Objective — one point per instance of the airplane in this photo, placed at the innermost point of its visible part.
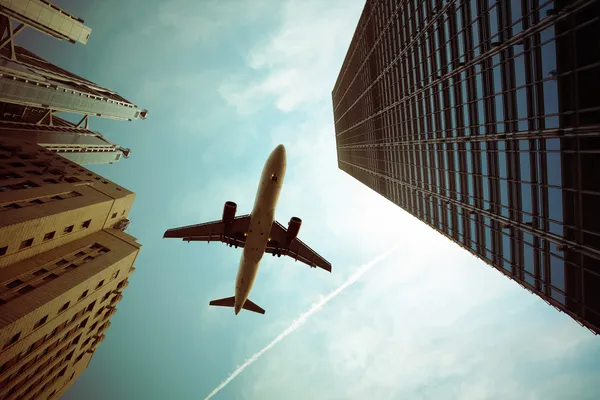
(258, 233)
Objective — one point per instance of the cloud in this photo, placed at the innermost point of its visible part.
(191, 23)
(299, 60)
(302, 319)
(434, 322)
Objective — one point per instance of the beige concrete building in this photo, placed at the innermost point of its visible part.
(64, 262)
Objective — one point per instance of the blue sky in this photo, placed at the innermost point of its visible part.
(225, 82)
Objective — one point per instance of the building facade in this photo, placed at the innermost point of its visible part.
(64, 262)
(72, 141)
(482, 119)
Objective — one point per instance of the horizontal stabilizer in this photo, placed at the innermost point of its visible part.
(230, 302)
(226, 302)
(250, 306)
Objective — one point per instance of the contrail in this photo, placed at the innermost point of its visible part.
(302, 319)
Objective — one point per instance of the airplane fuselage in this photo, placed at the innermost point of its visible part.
(261, 220)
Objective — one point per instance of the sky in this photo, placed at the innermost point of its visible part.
(224, 83)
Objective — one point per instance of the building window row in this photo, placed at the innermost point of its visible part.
(38, 201)
(50, 271)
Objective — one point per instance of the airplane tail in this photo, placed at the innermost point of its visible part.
(230, 302)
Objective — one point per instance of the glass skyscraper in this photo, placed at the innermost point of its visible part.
(482, 119)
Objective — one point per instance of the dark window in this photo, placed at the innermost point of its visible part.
(90, 307)
(41, 322)
(123, 213)
(71, 179)
(17, 164)
(14, 283)
(9, 175)
(75, 194)
(3, 250)
(50, 180)
(64, 307)
(25, 156)
(12, 206)
(114, 215)
(69, 229)
(49, 235)
(13, 340)
(71, 267)
(26, 243)
(26, 289)
(33, 172)
(77, 339)
(40, 271)
(106, 296)
(100, 284)
(57, 197)
(36, 201)
(50, 277)
(83, 295)
(81, 253)
(116, 274)
(86, 224)
(88, 259)
(61, 262)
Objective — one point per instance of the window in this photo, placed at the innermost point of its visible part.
(69, 229)
(71, 179)
(9, 175)
(88, 259)
(36, 201)
(81, 253)
(114, 276)
(123, 213)
(33, 172)
(57, 197)
(90, 307)
(61, 262)
(50, 277)
(50, 180)
(86, 224)
(41, 322)
(3, 250)
(93, 326)
(40, 271)
(12, 206)
(26, 289)
(49, 235)
(100, 284)
(16, 164)
(26, 243)
(71, 267)
(14, 283)
(83, 295)
(13, 340)
(76, 340)
(114, 215)
(106, 296)
(64, 307)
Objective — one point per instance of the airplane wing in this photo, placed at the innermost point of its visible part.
(233, 233)
(296, 249)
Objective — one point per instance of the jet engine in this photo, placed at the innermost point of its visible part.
(293, 228)
(229, 212)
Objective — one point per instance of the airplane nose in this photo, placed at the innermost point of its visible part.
(280, 151)
(237, 309)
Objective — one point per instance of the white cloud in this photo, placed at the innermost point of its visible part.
(435, 322)
(199, 21)
(300, 59)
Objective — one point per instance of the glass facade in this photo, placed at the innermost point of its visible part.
(482, 119)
